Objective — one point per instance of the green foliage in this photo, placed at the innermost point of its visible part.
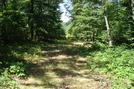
(17, 52)
(29, 20)
(13, 64)
(34, 50)
(88, 22)
(7, 76)
(6, 81)
(116, 61)
(120, 23)
(18, 69)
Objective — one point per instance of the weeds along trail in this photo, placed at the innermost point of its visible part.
(61, 67)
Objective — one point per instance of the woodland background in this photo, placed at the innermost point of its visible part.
(106, 25)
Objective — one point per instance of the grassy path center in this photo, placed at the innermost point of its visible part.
(60, 67)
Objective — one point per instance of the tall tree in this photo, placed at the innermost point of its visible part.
(116, 24)
(85, 24)
(107, 24)
(29, 20)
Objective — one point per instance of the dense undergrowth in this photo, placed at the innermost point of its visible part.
(13, 63)
(16, 58)
(116, 62)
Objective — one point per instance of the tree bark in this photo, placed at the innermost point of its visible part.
(31, 19)
(108, 31)
(107, 26)
(132, 5)
(3, 31)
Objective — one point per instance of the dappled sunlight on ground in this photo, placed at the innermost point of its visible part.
(60, 67)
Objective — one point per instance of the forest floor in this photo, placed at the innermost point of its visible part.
(61, 66)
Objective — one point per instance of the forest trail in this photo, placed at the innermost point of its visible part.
(61, 66)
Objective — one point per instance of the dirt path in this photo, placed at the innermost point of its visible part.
(61, 67)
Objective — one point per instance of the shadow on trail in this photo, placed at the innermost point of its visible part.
(49, 71)
(67, 50)
(56, 64)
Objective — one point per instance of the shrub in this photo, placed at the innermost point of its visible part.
(6, 81)
(117, 61)
(7, 77)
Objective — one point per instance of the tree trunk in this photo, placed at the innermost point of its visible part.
(132, 5)
(3, 31)
(31, 19)
(108, 31)
(107, 25)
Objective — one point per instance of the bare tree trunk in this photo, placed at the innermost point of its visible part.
(30, 19)
(108, 31)
(107, 25)
(132, 5)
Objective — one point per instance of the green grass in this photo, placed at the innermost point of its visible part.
(13, 62)
(117, 62)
